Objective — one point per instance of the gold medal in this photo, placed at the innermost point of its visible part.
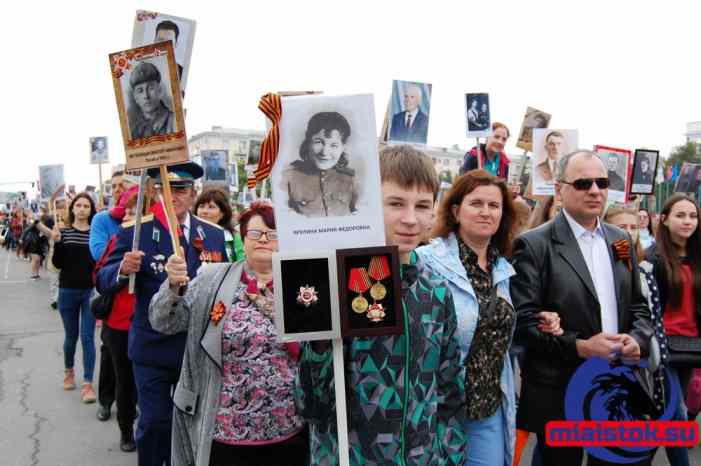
(378, 291)
(359, 305)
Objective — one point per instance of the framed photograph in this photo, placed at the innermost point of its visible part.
(549, 146)
(98, 150)
(326, 180)
(369, 288)
(410, 107)
(151, 28)
(479, 123)
(306, 296)
(617, 162)
(520, 170)
(644, 171)
(689, 180)
(150, 108)
(253, 153)
(534, 119)
(51, 182)
(215, 164)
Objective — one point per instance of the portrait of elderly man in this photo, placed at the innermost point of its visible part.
(410, 125)
(148, 115)
(555, 147)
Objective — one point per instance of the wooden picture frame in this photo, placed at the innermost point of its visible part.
(641, 188)
(302, 314)
(165, 141)
(360, 321)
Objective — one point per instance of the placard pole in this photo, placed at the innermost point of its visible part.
(167, 201)
(339, 378)
(101, 199)
(479, 155)
(137, 224)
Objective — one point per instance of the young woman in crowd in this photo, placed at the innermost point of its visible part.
(628, 220)
(492, 154)
(473, 241)
(647, 236)
(72, 257)
(212, 205)
(234, 403)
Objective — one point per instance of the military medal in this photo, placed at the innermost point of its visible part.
(376, 313)
(378, 270)
(359, 282)
(307, 296)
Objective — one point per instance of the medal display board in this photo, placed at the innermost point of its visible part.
(306, 297)
(369, 285)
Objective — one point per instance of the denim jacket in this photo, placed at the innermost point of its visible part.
(443, 258)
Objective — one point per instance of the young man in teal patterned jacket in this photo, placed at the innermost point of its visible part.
(405, 393)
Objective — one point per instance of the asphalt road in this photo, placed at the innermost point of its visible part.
(41, 424)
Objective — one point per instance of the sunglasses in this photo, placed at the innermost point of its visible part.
(584, 184)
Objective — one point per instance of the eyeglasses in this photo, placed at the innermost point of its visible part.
(270, 235)
(584, 184)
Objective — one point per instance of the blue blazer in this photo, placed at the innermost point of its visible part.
(146, 345)
(417, 133)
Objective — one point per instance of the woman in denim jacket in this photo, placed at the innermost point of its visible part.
(473, 237)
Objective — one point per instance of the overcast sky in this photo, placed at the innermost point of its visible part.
(625, 74)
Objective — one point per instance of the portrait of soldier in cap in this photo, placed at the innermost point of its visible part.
(147, 113)
(320, 183)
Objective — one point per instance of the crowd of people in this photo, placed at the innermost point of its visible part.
(494, 290)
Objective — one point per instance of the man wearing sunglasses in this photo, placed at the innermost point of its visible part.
(569, 266)
(156, 357)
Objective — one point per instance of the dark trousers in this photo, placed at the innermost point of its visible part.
(125, 387)
(291, 452)
(154, 386)
(106, 388)
(558, 456)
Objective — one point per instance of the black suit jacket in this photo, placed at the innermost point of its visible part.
(551, 274)
(417, 133)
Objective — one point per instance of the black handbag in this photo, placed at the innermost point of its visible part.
(684, 351)
(101, 306)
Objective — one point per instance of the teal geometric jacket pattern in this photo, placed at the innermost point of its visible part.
(405, 393)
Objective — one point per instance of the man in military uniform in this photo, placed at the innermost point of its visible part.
(157, 358)
(321, 184)
(147, 114)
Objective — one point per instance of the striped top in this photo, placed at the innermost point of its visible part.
(72, 256)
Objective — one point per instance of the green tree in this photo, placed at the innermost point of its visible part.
(688, 152)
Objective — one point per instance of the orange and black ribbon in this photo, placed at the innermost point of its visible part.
(359, 281)
(271, 105)
(379, 268)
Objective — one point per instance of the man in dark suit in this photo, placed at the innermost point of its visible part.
(568, 266)
(157, 358)
(411, 125)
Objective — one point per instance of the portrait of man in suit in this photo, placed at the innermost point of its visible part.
(411, 124)
(555, 147)
(569, 266)
(615, 167)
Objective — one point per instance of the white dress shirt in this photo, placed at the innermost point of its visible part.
(593, 246)
(185, 226)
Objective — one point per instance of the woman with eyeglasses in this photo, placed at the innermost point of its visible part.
(234, 402)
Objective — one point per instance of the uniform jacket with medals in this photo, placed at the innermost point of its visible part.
(205, 244)
(321, 193)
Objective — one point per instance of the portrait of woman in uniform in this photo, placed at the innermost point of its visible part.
(320, 183)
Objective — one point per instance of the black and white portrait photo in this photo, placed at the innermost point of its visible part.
(51, 181)
(689, 179)
(98, 150)
(644, 170)
(327, 172)
(477, 115)
(253, 153)
(616, 161)
(149, 99)
(215, 164)
(534, 119)
(410, 107)
(151, 28)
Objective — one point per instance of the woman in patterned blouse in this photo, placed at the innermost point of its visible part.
(473, 239)
(234, 400)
